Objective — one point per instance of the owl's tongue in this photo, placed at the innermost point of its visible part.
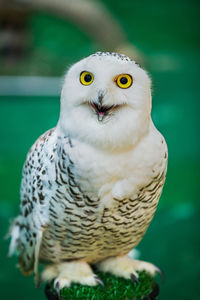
(100, 115)
(101, 110)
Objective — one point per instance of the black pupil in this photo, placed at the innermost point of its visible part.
(88, 77)
(123, 80)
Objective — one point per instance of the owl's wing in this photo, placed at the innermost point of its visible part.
(28, 228)
(26, 239)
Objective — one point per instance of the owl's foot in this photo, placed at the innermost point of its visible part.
(66, 273)
(124, 266)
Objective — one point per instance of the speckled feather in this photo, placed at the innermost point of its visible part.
(74, 224)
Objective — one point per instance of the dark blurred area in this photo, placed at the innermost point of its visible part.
(39, 40)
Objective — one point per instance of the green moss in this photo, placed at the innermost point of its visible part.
(114, 289)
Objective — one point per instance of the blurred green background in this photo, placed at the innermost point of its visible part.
(167, 33)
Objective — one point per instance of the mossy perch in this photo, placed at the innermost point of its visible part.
(115, 288)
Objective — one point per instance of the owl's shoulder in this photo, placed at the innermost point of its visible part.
(46, 138)
(151, 152)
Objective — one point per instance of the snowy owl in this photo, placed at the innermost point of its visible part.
(91, 185)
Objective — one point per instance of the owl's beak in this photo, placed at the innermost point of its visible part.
(100, 114)
(100, 99)
(101, 109)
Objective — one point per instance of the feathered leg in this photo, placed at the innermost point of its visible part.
(66, 273)
(126, 267)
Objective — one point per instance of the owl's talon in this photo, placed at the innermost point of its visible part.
(134, 278)
(57, 288)
(99, 281)
(159, 271)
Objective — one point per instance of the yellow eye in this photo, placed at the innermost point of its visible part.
(124, 81)
(86, 78)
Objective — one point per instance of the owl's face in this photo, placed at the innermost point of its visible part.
(106, 101)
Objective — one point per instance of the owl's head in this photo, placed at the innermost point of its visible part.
(106, 101)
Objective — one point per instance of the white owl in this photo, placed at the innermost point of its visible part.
(91, 185)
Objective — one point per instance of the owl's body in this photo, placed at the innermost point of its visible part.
(91, 185)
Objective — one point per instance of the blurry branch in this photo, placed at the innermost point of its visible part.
(92, 17)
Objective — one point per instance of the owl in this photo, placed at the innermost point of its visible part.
(91, 185)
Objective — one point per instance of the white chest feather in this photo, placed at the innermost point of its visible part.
(120, 175)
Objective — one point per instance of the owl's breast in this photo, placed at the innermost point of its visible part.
(94, 224)
(96, 171)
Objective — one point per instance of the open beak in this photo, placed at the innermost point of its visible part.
(102, 110)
